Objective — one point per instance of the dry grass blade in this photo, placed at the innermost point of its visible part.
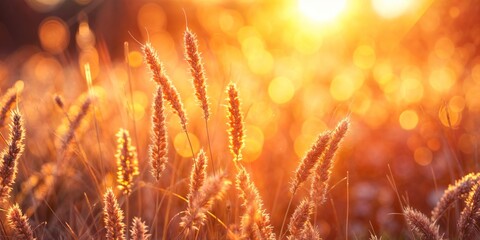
(459, 190)
(236, 130)
(420, 225)
(197, 71)
(127, 162)
(10, 155)
(170, 93)
(113, 217)
(158, 151)
(470, 215)
(323, 169)
(19, 223)
(255, 223)
(139, 231)
(309, 160)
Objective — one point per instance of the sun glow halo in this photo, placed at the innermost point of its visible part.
(321, 10)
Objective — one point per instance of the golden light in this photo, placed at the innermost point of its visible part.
(135, 59)
(321, 10)
(408, 119)
(54, 35)
(391, 8)
(341, 88)
(450, 117)
(44, 5)
(423, 156)
(442, 79)
(364, 57)
(467, 143)
(281, 90)
(85, 37)
(253, 143)
(182, 147)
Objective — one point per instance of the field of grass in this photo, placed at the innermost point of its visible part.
(239, 119)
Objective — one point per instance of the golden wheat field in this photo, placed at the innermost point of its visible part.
(239, 119)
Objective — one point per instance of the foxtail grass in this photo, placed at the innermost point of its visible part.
(192, 55)
(19, 223)
(11, 155)
(309, 161)
(454, 192)
(195, 216)
(300, 219)
(420, 225)
(236, 131)
(194, 59)
(74, 124)
(127, 161)
(323, 169)
(470, 216)
(158, 150)
(255, 222)
(159, 75)
(197, 176)
(139, 231)
(113, 217)
(8, 100)
(310, 232)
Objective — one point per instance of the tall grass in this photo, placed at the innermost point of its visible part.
(166, 201)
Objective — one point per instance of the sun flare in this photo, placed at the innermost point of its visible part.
(321, 10)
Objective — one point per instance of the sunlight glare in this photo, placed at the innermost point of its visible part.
(321, 10)
(391, 8)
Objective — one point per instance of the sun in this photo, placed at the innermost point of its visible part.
(321, 10)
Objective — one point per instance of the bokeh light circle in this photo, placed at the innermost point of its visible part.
(54, 35)
(281, 90)
(408, 119)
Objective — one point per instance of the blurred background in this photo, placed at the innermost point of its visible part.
(406, 72)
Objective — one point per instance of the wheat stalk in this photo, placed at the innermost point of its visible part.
(139, 231)
(255, 223)
(420, 225)
(113, 217)
(192, 55)
(459, 190)
(236, 130)
(158, 150)
(10, 155)
(19, 223)
(323, 169)
(159, 75)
